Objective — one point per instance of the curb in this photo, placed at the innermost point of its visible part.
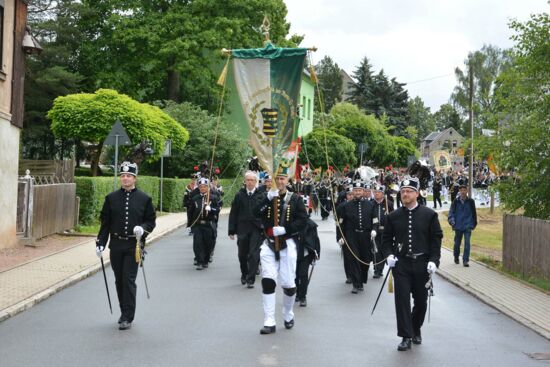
(495, 304)
(73, 279)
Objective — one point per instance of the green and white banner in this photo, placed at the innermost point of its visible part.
(268, 81)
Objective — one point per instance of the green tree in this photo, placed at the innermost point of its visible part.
(421, 119)
(447, 116)
(330, 82)
(231, 150)
(405, 148)
(352, 123)
(361, 91)
(90, 117)
(487, 64)
(322, 142)
(522, 145)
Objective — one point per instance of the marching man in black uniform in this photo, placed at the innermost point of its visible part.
(412, 244)
(357, 223)
(204, 213)
(325, 199)
(380, 210)
(247, 227)
(127, 214)
(278, 254)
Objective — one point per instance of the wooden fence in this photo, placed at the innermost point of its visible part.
(53, 209)
(526, 246)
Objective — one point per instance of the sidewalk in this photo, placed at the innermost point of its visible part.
(30, 283)
(521, 302)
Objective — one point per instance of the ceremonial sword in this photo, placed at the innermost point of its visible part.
(142, 257)
(106, 286)
(430, 286)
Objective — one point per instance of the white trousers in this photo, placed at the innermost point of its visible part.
(283, 272)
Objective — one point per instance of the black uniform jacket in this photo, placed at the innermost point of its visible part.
(379, 214)
(293, 219)
(416, 231)
(122, 211)
(357, 215)
(201, 216)
(241, 217)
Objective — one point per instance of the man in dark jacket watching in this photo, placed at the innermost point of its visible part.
(247, 227)
(463, 219)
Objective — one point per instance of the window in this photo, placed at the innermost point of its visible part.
(309, 109)
(304, 106)
(455, 143)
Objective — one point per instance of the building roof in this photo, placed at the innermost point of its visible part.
(436, 134)
(432, 136)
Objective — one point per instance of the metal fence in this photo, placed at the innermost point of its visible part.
(48, 171)
(526, 246)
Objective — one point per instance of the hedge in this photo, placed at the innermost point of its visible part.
(92, 192)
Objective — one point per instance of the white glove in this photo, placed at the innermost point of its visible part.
(99, 251)
(341, 242)
(279, 231)
(391, 260)
(208, 208)
(138, 231)
(373, 234)
(272, 194)
(431, 267)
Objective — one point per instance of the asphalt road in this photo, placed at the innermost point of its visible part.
(206, 318)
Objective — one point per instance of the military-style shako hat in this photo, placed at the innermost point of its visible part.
(267, 177)
(462, 183)
(358, 185)
(367, 185)
(203, 181)
(410, 183)
(129, 168)
(377, 187)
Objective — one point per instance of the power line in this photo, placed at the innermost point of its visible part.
(428, 79)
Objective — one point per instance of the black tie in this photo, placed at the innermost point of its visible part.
(250, 194)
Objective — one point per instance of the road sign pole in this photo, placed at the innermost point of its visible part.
(161, 177)
(116, 160)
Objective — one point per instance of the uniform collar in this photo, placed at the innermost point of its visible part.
(124, 190)
(413, 209)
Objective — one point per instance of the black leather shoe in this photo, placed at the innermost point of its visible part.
(199, 267)
(417, 339)
(355, 290)
(243, 280)
(267, 330)
(456, 260)
(250, 285)
(289, 324)
(205, 265)
(361, 289)
(348, 281)
(120, 319)
(125, 325)
(466, 264)
(303, 302)
(377, 275)
(404, 345)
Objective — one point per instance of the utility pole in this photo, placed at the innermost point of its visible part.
(471, 168)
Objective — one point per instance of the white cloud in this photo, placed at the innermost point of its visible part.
(411, 40)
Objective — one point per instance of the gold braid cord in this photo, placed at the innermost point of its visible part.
(322, 110)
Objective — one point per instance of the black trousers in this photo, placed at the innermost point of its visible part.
(437, 199)
(410, 278)
(302, 274)
(125, 268)
(249, 254)
(325, 208)
(203, 242)
(359, 242)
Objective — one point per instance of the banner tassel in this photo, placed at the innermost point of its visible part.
(312, 74)
(223, 75)
(138, 253)
(390, 283)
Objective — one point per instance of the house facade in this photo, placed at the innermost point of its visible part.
(448, 140)
(13, 16)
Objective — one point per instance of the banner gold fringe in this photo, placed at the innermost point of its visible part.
(313, 74)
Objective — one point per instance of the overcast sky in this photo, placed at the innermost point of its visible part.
(412, 40)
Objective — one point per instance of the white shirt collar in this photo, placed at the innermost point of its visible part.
(413, 208)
